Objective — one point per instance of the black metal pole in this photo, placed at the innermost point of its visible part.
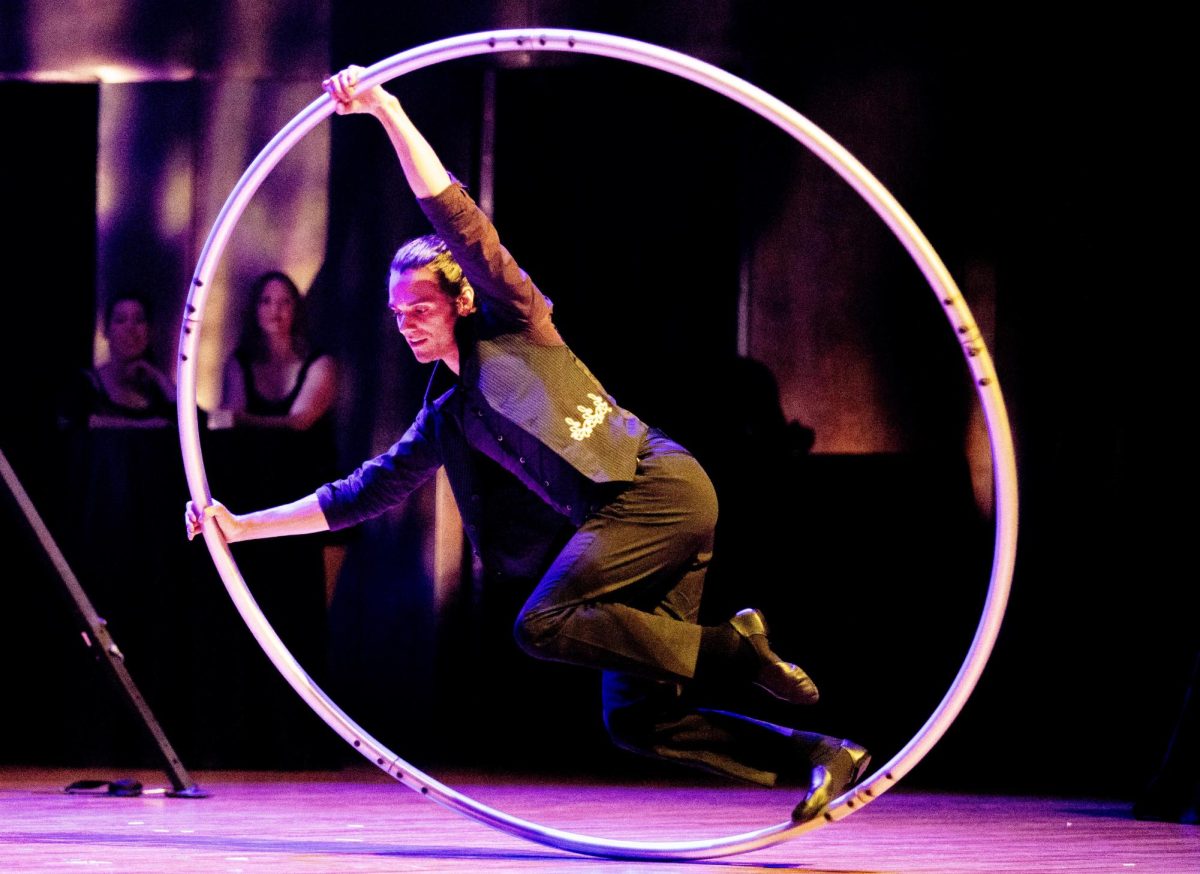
(98, 639)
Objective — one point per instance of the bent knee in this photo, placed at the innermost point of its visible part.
(536, 633)
(700, 497)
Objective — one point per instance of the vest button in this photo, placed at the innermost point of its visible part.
(522, 460)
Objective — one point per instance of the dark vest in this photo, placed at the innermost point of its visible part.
(550, 394)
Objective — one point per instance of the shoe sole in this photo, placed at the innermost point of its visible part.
(860, 766)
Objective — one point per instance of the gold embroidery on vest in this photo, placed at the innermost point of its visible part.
(592, 416)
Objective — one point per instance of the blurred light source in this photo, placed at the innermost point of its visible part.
(105, 74)
(174, 195)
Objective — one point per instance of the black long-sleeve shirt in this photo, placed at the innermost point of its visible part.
(523, 403)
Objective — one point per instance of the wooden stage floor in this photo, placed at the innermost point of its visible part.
(359, 820)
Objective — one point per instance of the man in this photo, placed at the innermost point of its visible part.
(511, 412)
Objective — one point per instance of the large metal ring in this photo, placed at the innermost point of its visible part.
(871, 190)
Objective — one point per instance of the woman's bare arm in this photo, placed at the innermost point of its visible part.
(314, 400)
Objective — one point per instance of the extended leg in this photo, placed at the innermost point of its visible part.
(650, 718)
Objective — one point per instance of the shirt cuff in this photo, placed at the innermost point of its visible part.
(332, 508)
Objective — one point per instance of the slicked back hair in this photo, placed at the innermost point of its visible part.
(431, 251)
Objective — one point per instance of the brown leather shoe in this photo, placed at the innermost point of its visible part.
(844, 766)
(782, 679)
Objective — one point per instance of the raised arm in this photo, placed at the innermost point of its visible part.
(502, 289)
(154, 380)
(422, 168)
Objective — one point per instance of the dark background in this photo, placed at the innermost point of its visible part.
(1035, 151)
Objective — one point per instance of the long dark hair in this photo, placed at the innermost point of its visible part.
(251, 344)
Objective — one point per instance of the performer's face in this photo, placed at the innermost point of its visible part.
(425, 316)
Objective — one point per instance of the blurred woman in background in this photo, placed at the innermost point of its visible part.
(275, 379)
(127, 391)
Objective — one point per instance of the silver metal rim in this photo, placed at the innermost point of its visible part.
(869, 188)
